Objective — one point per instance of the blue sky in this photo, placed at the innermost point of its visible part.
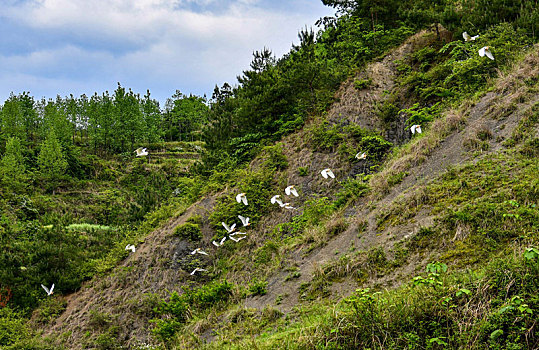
(58, 47)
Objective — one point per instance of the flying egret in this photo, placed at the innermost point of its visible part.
(198, 270)
(245, 221)
(361, 156)
(237, 239)
(286, 206)
(467, 37)
(485, 51)
(141, 152)
(291, 190)
(199, 251)
(327, 173)
(49, 291)
(130, 247)
(276, 199)
(241, 198)
(220, 243)
(229, 229)
(237, 233)
(415, 128)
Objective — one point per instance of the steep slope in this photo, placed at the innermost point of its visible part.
(451, 141)
(116, 308)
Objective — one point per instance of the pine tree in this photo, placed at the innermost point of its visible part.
(51, 159)
(12, 168)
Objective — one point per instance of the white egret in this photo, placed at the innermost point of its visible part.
(241, 198)
(485, 51)
(141, 152)
(198, 270)
(291, 190)
(286, 206)
(327, 173)
(237, 239)
(276, 199)
(361, 156)
(49, 291)
(467, 37)
(229, 229)
(199, 251)
(245, 221)
(130, 247)
(415, 128)
(237, 233)
(220, 243)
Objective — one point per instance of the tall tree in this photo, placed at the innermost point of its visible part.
(12, 167)
(51, 159)
(12, 119)
(153, 119)
(185, 114)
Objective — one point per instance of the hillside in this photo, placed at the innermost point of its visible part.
(427, 241)
(379, 240)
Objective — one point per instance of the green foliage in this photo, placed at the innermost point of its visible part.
(387, 111)
(12, 326)
(265, 253)
(185, 115)
(314, 212)
(276, 159)
(50, 309)
(303, 171)
(352, 189)
(362, 84)
(325, 137)
(244, 147)
(258, 188)
(179, 308)
(257, 287)
(51, 159)
(12, 165)
(189, 231)
(375, 146)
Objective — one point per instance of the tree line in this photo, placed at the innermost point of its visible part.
(106, 123)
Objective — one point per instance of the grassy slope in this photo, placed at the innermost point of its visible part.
(411, 216)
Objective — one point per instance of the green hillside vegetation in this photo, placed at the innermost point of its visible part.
(429, 243)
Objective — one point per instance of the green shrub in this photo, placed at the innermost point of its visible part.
(362, 83)
(189, 232)
(276, 159)
(375, 146)
(12, 326)
(179, 308)
(352, 189)
(257, 287)
(325, 137)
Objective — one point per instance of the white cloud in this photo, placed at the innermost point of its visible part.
(157, 44)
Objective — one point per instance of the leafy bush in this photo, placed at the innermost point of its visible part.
(12, 326)
(276, 159)
(362, 84)
(189, 231)
(375, 146)
(352, 189)
(257, 287)
(325, 137)
(179, 308)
